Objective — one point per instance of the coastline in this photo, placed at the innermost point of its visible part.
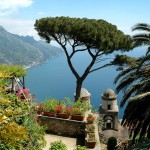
(34, 64)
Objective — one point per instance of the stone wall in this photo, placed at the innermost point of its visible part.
(64, 127)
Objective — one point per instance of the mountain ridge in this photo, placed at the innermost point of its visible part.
(24, 50)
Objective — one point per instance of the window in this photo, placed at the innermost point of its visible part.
(108, 125)
(108, 106)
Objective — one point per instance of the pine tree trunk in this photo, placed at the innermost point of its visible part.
(78, 89)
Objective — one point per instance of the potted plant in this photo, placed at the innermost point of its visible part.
(91, 140)
(49, 107)
(90, 118)
(78, 110)
(77, 114)
(90, 128)
(39, 108)
(63, 111)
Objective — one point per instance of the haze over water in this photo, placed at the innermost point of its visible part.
(54, 79)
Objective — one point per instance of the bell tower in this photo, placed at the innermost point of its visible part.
(109, 110)
(85, 95)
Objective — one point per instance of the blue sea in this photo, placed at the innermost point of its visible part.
(54, 79)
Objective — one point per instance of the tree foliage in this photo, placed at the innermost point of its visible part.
(142, 39)
(97, 34)
(96, 37)
(135, 82)
(142, 145)
(112, 142)
(124, 61)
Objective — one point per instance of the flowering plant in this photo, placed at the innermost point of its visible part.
(77, 111)
(39, 106)
(50, 105)
(90, 118)
(23, 93)
(63, 109)
(79, 108)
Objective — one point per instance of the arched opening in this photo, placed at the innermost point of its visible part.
(108, 122)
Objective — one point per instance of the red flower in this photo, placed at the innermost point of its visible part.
(90, 118)
(63, 109)
(58, 108)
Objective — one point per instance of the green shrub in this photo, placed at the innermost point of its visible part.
(80, 148)
(19, 129)
(111, 143)
(57, 145)
(6, 147)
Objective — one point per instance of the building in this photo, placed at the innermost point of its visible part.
(85, 95)
(109, 110)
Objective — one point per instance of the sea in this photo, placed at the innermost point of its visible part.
(54, 79)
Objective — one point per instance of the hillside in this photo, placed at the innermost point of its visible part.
(24, 50)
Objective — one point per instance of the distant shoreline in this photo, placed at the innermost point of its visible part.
(34, 64)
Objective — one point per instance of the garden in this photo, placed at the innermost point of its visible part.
(64, 109)
(65, 114)
(18, 125)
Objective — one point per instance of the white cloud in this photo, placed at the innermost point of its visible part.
(7, 7)
(20, 27)
(23, 28)
(14, 4)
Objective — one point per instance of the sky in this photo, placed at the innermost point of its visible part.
(19, 16)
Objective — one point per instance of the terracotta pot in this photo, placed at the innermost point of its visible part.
(91, 144)
(65, 116)
(77, 117)
(39, 112)
(90, 120)
(47, 113)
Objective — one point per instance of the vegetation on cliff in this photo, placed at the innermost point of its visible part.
(20, 50)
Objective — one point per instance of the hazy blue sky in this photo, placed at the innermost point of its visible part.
(18, 16)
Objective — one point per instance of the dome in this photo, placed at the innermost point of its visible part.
(109, 94)
(84, 93)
